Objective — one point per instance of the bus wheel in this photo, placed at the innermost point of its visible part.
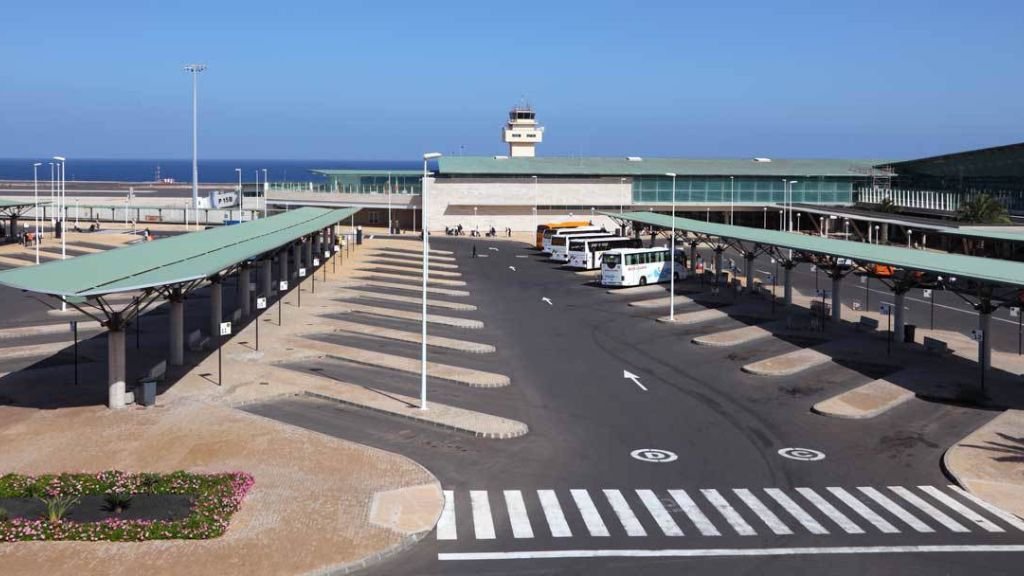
(643, 281)
(677, 275)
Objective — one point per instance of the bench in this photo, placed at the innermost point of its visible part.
(196, 341)
(867, 323)
(935, 345)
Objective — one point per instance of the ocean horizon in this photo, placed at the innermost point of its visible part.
(210, 171)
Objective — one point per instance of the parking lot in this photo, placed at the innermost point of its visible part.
(564, 346)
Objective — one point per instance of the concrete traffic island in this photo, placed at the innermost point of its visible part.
(404, 278)
(439, 255)
(414, 288)
(415, 337)
(357, 294)
(349, 307)
(733, 337)
(989, 464)
(869, 400)
(411, 262)
(788, 364)
(410, 269)
(662, 302)
(695, 317)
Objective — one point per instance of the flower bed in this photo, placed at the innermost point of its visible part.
(214, 498)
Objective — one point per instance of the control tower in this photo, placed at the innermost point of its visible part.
(522, 133)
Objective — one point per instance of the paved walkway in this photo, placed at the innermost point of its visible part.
(990, 462)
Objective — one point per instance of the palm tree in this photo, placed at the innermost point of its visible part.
(887, 206)
(983, 209)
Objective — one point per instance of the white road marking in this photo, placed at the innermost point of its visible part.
(997, 512)
(553, 514)
(762, 511)
(860, 508)
(928, 509)
(659, 513)
(547, 300)
(446, 524)
(636, 379)
(517, 516)
(895, 509)
(522, 256)
(796, 511)
(689, 507)
(726, 552)
(621, 508)
(960, 509)
(728, 512)
(512, 268)
(483, 523)
(829, 510)
(589, 512)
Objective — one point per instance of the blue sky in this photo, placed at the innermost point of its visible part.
(389, 80)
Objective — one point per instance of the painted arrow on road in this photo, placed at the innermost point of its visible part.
(493, 248)
(548, 300)
(636, 379)
(512, 268)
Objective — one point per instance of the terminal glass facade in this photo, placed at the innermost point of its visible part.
(719, 189)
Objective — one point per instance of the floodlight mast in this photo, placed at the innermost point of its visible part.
(195, 69)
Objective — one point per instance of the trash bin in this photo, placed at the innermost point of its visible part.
(359, 235)
(909, 330)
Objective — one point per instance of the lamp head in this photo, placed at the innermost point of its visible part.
(431, 155)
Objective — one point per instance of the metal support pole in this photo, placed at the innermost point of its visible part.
(74, 329)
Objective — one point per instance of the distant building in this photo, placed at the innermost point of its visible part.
(521, 133)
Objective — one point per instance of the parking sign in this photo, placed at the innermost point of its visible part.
(225, 328)
(283, 285)
(302, 272)
(261, 303)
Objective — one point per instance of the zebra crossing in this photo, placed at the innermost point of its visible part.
(710, 512)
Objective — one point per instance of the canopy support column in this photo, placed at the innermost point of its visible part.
(718, 264)
(899, 320)
(307, 245)
(837, 302)
(244, 290)
(693, 256)
(115, 362)
(176, 351)
(266, 273)
(787, 282)
(297, 255)
(749, 257)
(216, 309)
(282, 259)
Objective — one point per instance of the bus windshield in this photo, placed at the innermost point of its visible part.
(611, 260)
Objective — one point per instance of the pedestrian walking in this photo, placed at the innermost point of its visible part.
(474, 250)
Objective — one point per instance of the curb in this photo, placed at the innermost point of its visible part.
(507, 380)
(477, 434)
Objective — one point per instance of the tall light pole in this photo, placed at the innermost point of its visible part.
(63, 239)
(426, 263)
(391, 223)
(732, 198)
(35, 183)
(265, 186)
(241, 196)
(536, 202)
(790, 217)
(53, 223)
(195, 69)
(672, 255)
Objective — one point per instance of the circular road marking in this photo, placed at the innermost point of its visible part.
(654, 455)
(802, 454)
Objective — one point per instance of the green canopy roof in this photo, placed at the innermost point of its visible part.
(987, 270)
(170, 261)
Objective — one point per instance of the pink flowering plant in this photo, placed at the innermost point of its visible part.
(214, 499)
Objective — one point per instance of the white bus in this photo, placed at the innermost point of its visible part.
(585, 253)
(550, 234)
(641, 266)
(560, 244)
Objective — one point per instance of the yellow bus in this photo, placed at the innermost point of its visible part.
(555, 226)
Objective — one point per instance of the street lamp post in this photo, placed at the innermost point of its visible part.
(765, 226)
(241, 196)
(426, 263)
(266, 184)
(790, 217)
(672, 255)
(391, 224)
(732, 198)
(195, 69)
(53, 223)
(536, 202)
(61, 171)
(35, 184)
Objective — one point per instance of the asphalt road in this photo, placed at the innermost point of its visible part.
(569, 498)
